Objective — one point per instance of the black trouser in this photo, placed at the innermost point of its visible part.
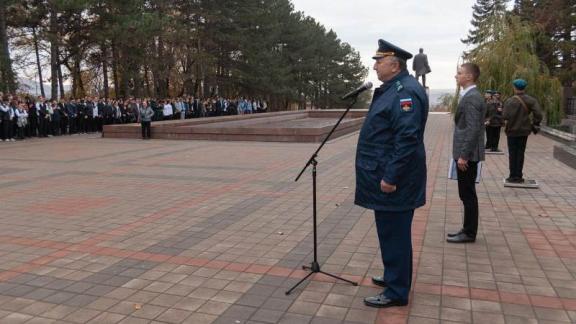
(6, 127)
(146, 129)
(98, 123)
(33, 122)
(492, 137)
(14, 128)
(27, 130)
(89, 124)
(82, 123)
(516, 149)
(43, 129)
(467, 193)
(72, 125)
(56, 127)
(63, 125)
(20, 132)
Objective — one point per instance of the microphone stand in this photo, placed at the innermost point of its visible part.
(314, 266)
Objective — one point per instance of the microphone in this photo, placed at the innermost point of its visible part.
(359, 90)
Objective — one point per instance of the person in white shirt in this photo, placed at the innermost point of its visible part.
(167, 111)
(5, 120)
(21, 120)
(8, 116)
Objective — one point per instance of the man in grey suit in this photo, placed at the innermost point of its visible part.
(468, 148)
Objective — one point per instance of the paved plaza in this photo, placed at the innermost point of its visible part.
(96, 230)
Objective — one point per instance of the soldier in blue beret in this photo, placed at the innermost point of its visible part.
(523, 115)
(391, 169)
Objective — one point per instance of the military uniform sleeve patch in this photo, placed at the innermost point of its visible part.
(406, 104)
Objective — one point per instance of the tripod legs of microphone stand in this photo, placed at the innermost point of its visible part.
(314, 267)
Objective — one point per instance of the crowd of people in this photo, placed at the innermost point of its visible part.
(24, 117)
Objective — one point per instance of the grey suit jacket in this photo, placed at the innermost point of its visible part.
(469, 129)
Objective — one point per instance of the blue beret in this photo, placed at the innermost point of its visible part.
(520, 84)
(388, 49)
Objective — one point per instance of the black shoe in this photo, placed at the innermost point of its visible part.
(379, 281)
(461, 238)
(382, 301)
(455, 233)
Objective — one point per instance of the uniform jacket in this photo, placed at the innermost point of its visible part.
(493, 116)
(468, 141)
(391, 147)
(518, 121)
(33, 112)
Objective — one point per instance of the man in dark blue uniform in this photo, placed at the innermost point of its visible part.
(391, 169)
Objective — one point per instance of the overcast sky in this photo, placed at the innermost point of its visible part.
(436, 26)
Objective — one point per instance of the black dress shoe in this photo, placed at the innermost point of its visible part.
(379, 281)
(455, 233)
(382, 301)
(461, 238)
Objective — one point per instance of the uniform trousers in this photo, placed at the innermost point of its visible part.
(492, 137)
(395, 236)
(516, 149)
(467, 193)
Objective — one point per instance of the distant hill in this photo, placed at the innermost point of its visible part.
(435, 95)
(33, 87)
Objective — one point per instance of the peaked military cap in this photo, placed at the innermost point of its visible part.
(388, 49)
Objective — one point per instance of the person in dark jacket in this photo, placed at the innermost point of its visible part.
(100, 118)
(43, 120)
(33, 116)
(145, 114)
(6, 115)
(56, 119)
(72, 112)
(523, 116)
(391, 169)
(82, 116)
(494, 121)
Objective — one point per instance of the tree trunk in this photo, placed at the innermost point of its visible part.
(7, 77)
(79, 82)
(53, 53)
(61, 80)
(137, 79)
(105, 68)
(115, 69)
(38, 65)
(147, 81)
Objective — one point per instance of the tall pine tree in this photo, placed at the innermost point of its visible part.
(485, 19)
